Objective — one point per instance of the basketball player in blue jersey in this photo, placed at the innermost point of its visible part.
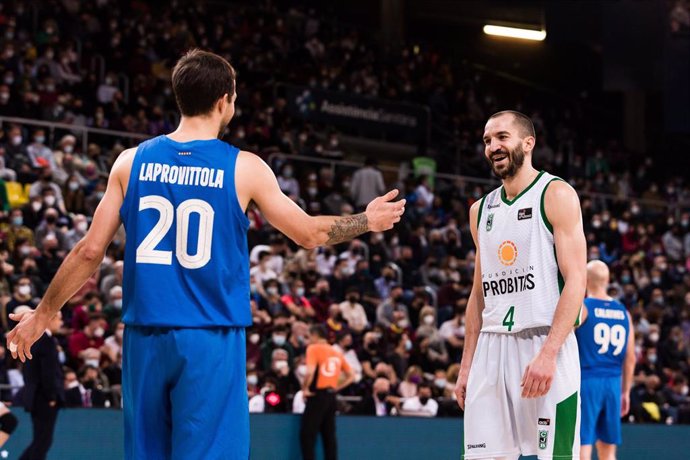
(607, 357)
(182, 199)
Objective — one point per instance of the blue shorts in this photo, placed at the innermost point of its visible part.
(601, 410)
(185, 393)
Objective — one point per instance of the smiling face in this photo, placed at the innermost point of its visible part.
(507, 141)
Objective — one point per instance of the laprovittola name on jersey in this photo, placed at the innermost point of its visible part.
(508, 282)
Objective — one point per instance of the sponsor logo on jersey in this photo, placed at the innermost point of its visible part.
(509, 285)
(507, 253)
(543, 438)
(544, 421)
(494, 206)
(490, 222)
(525, 213)
(476, 446)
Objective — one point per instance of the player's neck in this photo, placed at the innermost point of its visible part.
(195, 129)
(598, 294)
(513, 186)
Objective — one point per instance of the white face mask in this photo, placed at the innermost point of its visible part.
(68, 148)
(440, 383)
(98, 332)
(82, 227)
(73, 384)
(252, 379)
(92, 362)
(49, 200)
(61, 357)
(254, 338)
(282, 364)
(24, 290)
(302, 370)
(36, 205)
(73, 186)
(429, 320)
(117, 303)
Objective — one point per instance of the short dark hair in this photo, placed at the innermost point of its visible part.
(522, 121)
(199, 79)
(318, 330)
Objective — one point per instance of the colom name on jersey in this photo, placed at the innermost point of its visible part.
(508, 281)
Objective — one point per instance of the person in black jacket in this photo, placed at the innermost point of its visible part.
(380, 402)
(43, 391)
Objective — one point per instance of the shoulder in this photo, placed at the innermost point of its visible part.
(561, 203)
(559, 190)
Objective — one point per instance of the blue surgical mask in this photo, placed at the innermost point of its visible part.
(18, 221)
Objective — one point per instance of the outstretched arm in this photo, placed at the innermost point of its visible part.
(256, 182)
(79, 264)
(562, 208)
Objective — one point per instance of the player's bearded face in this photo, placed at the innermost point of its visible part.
(505, 163)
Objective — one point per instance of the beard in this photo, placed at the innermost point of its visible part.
(516, 158)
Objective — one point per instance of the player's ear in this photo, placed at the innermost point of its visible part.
(528, 143)
(222, 104)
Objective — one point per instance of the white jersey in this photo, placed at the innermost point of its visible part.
(521, 283)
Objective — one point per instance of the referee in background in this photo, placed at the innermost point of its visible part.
(324, 368)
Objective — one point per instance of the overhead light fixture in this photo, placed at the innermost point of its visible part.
(515, 32)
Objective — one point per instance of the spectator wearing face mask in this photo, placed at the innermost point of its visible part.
(49, 228)
(90, 304)
(453, 332)
(380, 402)
(33, 212)
(295, 301)
(344, 345)
(94, 199)
(22, 295)
(77, 232)
(287, 182)
(321, 300)
(90, 337)
(432, 347)
(113, 310)
(353, 312)
(392, 313)
(261, 272)
(51, 257)
(44, 184)
(16, 230)
(88, 392)
(400, 357)
(370, 355)
(422, 405)
(112, 346)
(413, 377)
(270, 299)
(39, 153)
(278, 341)
(73, 193)
(269, 400)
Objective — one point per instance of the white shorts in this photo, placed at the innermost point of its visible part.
(499, 423)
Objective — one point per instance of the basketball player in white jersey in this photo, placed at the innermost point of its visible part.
(519, 379)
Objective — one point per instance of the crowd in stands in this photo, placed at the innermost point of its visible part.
(394, 303)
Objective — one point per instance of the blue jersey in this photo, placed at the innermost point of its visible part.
(603, 338)
(186, 258)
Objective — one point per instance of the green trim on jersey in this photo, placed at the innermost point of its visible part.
(566, 418)
(543, 212)
(479, 214)
(505, 199)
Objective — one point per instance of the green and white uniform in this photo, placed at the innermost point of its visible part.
(521, 285)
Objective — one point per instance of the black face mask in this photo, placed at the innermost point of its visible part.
(382, 395)
(423, 400)
(51, 219)
(89, 384)
(353, 298)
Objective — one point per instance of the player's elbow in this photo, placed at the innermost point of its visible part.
(90, 252)
(307, 241)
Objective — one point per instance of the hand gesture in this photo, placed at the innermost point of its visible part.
(538, 376)
(382, 213)
(30, 328)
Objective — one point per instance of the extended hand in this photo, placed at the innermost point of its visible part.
(382, 213)
(30, 328)
(538, 376)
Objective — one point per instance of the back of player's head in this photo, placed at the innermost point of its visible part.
(318, 330)
(522, 122)
(597, 274)
(199, 79)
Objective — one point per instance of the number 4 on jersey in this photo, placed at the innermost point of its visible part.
(508, 319)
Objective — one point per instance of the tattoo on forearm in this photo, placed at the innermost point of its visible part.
(347, 228)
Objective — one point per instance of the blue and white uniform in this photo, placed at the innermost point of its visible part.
(602, 340)
(186, 304)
